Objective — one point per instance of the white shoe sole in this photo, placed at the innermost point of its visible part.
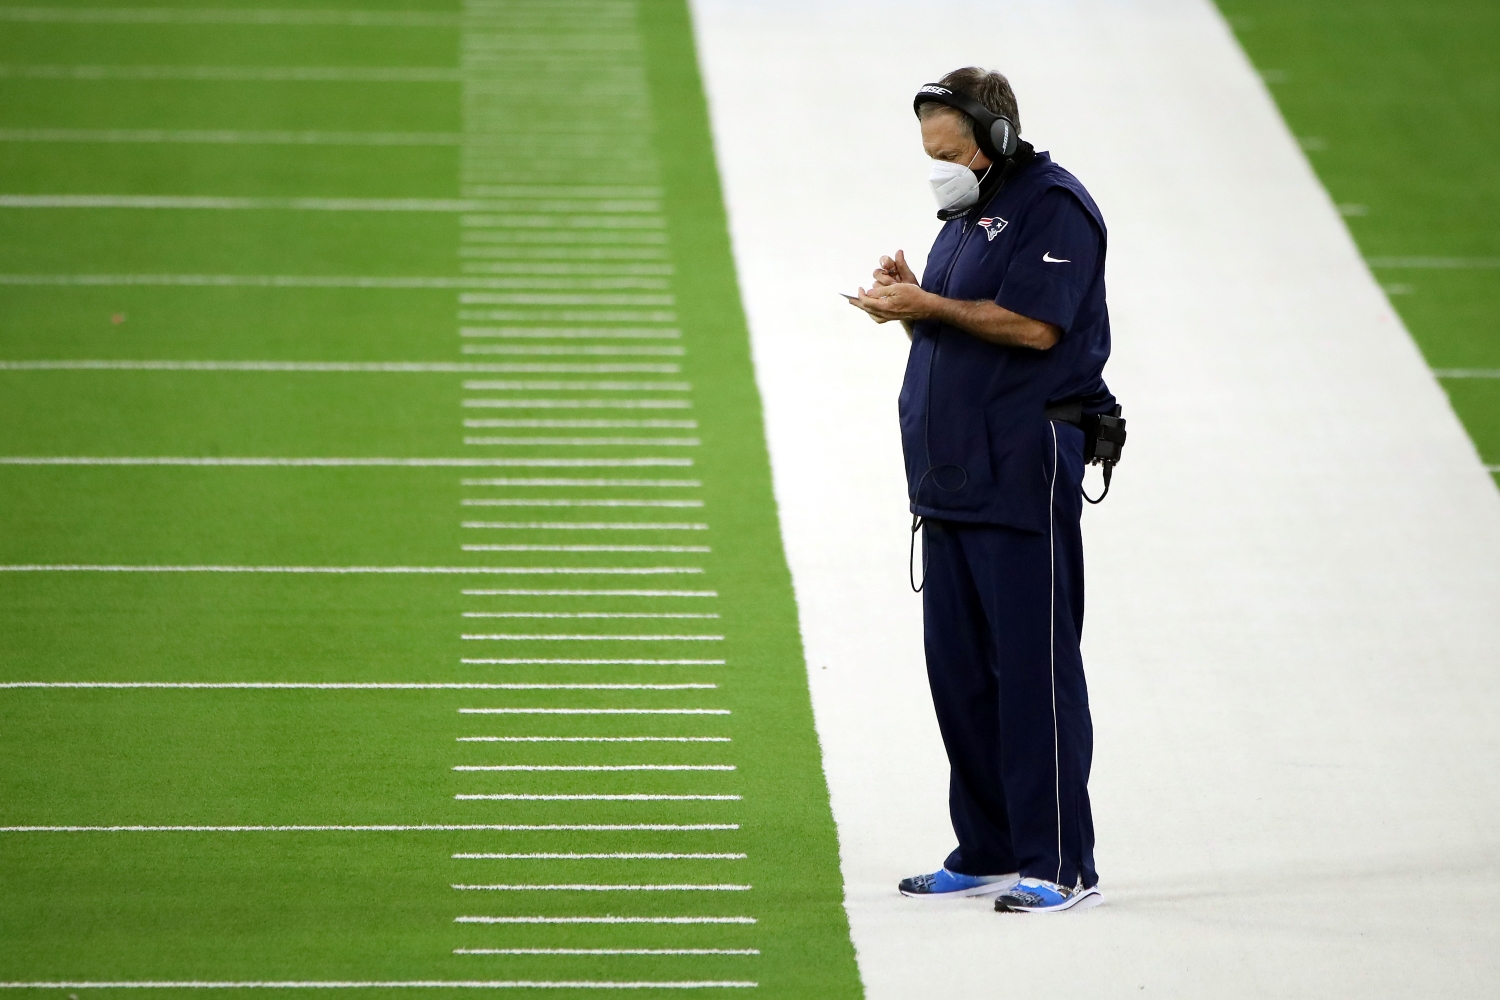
(988, 889)
(1085, 899)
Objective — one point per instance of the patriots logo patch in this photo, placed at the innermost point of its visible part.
(993, 227)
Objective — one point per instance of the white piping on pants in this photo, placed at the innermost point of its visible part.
(1052, 647)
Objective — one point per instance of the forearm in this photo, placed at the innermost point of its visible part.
(992, 322)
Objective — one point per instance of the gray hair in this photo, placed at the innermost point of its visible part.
(989, 88)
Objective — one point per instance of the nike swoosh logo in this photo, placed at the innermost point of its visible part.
(1054, 260)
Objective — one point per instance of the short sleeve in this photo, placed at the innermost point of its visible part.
(1054, 263)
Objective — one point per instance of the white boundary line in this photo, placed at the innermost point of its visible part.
(542, 637)
(346, 570)
(386, 828)
(491, 984)
(604, 920)
(351, 686)
(607, 888)
(593, 711)
(597, 662)
(401, 367)
(594, 768)
(234, 137)
(289, 281)
(222, 203)
(593, 797)
(415, 463)
(601, 857)
(606, 951)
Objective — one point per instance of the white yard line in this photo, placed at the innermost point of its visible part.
(232, 137)
(608, 888)
(439, 570)
(585, 548)
(571, 332)
(594, 797)
(589, 525)
(480, 984)
(603, 857)
(614, 386)
(351, 686)
(593, 711)
(1263, 601)
(587, 442)
(594, 768)
(606, 951)
(547, 637)
(589, 614)
(627, 662)
(299, 281)
(289, 17)
(591, 593)
(687, 483)
(238, 74)
(594, 739)
(507, 502)
(398, 367)
(604, 920)
(192, 460)
(388, 828)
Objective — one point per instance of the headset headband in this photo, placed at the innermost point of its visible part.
(995, 134)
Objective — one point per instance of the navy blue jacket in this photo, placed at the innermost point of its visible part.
(977, 444)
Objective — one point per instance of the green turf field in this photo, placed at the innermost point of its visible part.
(1397, 103)
(377, 347)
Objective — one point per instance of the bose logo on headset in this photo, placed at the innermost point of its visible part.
(995, 134)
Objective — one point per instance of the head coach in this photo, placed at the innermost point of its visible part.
(1001, 410)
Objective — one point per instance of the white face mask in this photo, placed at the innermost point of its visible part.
(954, 186)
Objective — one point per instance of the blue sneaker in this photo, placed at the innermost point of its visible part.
(943, 884)
(1035, 895)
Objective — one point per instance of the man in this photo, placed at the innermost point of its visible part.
(1009, 336)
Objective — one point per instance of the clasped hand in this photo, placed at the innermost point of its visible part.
(895, 294)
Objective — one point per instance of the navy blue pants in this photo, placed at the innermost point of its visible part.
(1003, 612)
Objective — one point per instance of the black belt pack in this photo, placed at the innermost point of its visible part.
(1103, 435)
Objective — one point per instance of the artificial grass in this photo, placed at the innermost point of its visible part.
(312, 906)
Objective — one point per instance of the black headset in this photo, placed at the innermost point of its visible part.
(995, 134)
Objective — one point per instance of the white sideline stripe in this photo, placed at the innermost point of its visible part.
(590, 857)
(585, 548)
(508, 502)
(309, 281)
(589, 614)
(607, 888)
(382, 828)
(337, 74)
(593, 711)
(234, 137)
(659, 663)
(594, 766)
(593, 739)
(415, 463)
(606, 951)
(589, 525)
(223, 203)
(1466, 372)
(591, 423)
(590, 593)
(458, 570)
(372, 686)
(1437, 263)
(526, 637)
(445, 367)
(604, 920)
(595, 797)
(483, 984)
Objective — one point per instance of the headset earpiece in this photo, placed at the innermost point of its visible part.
(995, 134)
(1003, 137)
